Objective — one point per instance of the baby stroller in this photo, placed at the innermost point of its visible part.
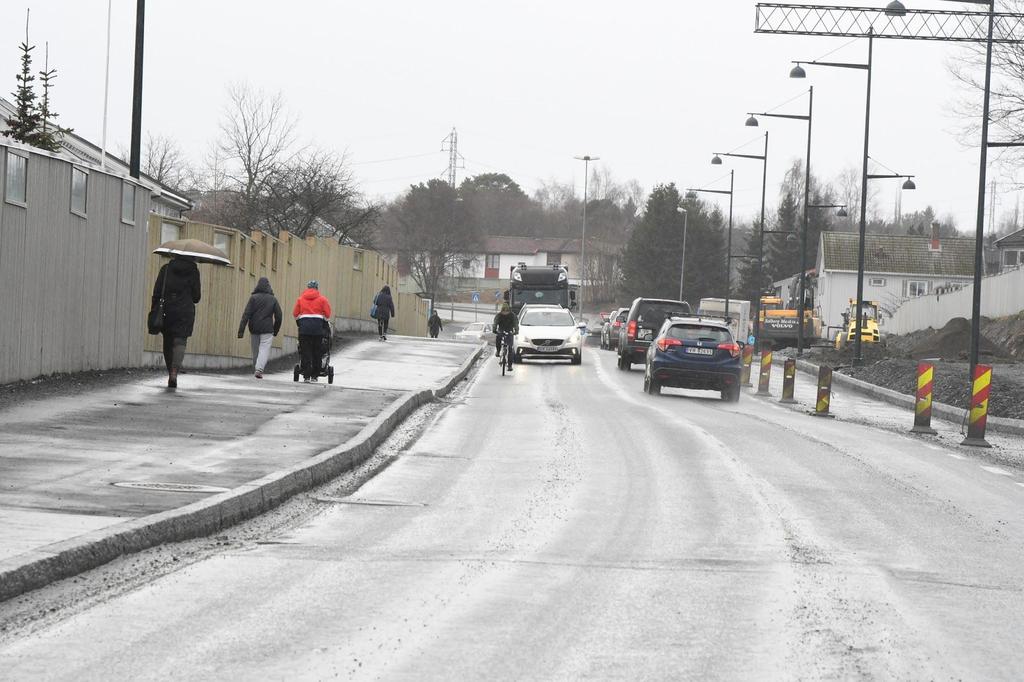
(326, 368)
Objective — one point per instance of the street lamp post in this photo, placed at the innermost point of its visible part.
(716, 160)
(728, 247)
(682, 261)
(809, 118)
(586, 159)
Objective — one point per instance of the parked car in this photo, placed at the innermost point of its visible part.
(474, 331)
(610, 329)
(695, 353)
(645, 317)
(549, 332)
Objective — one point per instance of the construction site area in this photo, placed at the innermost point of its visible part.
(893, 363)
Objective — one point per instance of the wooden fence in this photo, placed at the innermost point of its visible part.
(348, 277)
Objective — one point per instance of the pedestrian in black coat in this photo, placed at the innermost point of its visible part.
(180, 295)
(385, 311)
(434, 325)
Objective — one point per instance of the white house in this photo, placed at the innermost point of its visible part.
(896, 268)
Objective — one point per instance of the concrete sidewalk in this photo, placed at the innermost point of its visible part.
(79, 469)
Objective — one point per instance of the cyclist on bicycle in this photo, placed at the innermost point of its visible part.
(504, 323)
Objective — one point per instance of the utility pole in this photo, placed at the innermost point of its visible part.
(586, 159)
(135, 162)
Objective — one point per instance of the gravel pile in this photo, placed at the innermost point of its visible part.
(951, 384)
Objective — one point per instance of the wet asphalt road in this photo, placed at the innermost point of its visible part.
(561, 524)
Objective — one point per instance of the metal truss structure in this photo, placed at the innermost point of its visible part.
(858, 22)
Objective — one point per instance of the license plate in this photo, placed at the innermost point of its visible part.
(544, 349)
(699, 351)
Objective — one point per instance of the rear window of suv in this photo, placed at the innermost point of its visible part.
(652, 315)
(699, 332)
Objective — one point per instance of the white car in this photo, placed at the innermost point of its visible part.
(475, 331)
(549, 332)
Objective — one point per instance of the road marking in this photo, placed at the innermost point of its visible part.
(997, 471)
(1019, 483)
(955, 456)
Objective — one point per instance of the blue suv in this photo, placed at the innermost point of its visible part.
(696, 353)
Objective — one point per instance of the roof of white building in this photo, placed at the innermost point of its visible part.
(904, 254)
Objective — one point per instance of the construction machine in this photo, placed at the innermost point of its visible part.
(779, 323)
(869, 332)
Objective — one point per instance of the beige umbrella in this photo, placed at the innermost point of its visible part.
(193, 248)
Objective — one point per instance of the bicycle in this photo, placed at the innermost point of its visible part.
(505, 355)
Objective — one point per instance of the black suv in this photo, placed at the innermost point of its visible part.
(642, 324)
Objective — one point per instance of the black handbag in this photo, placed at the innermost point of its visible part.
(155, 321)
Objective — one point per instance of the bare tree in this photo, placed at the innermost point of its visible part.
(315, 194)
(257, 138)
(164, 161)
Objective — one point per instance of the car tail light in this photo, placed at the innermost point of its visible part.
(733, 348)
(665, 343)
(631, 330)
(617, 324)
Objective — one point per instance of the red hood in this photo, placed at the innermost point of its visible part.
(310, 294)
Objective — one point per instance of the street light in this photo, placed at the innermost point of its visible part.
(862, 231)
(728, 248)
(586, 159)
(716, 160)
(682, 264)
(753, 123)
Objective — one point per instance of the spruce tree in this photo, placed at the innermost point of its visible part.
(49, 133)
(24, 124)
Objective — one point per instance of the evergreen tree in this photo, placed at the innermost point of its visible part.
(782, 251)
(651, 260)
(25, 123)
(49, 133)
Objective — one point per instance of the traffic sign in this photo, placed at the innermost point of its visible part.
(476, 297)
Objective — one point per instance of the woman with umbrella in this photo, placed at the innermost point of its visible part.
(176, 292)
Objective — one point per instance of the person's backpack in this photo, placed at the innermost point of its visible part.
(373, 308)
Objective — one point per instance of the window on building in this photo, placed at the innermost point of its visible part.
(1011, 258)
(169, 232)
(357, 260)
(79, 191)
(128, 202)
(222, 241)
(243, 246)
(554, 258)
(877, 281)
(16, 179)
(467, 263)
(916, 287)
(273, 255)
(493, 261)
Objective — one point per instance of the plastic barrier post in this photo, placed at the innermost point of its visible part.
(748, 359)
(766, 370)
(821, 406)
(979, 407)
(788, 382)
(923, 406)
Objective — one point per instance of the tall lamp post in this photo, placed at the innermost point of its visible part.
(728, 248)
(809, 118)
(716, 160)
(682, 261)
(586, 159)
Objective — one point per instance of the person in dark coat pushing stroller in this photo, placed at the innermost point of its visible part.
(385, 311)
(178, 284)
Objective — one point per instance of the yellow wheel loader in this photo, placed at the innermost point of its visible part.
(868, 327)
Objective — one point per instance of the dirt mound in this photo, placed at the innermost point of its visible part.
(952, 342)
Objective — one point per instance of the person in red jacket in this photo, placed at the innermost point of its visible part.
(312, 311)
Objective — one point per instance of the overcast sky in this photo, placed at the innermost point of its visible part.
(652, 87)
